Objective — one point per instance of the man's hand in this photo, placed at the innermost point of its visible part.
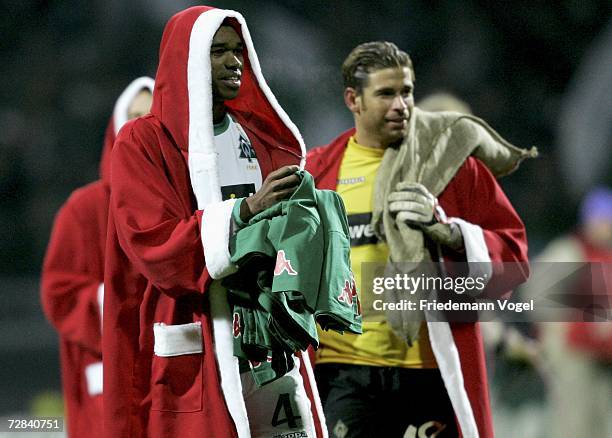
(415, 206)
(279, 185)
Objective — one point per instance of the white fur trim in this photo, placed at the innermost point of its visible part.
(203, 167)
(204, 174)
(177, 340)
(215, 233)
(441, 337)
(101, 301)
(315, 392)
(476, 250)
(93, 376)
(228, 363)
(447, 356)
(120, 113)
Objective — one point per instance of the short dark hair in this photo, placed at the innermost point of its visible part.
(368, 57)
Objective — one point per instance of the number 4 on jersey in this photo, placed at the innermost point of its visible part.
(284, 404)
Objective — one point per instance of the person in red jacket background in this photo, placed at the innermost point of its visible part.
(377, 384)
(576, 339)
(73, 277)
(216, 149)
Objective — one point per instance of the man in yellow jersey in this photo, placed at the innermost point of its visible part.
(377, 384)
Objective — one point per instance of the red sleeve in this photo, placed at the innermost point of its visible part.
(151, 206)
(593, 338)
(70, 280)
(481, 201)
(313, 161)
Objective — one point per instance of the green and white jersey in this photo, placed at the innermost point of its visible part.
(294, 271)
(239, 172)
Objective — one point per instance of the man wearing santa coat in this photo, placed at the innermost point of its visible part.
(72, 285)
(216, 149)
(432, 382)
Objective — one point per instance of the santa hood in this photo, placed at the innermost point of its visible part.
(183, 102)
(120, 116)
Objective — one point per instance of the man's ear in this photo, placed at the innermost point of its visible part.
(352, 100)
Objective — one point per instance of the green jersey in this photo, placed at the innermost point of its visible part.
(294, 269)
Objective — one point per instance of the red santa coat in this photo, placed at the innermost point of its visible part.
(72, 284)
(168, 236)
(492, 232)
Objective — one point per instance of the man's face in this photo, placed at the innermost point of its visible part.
(384, 106)
(140, 105)
(226, 64)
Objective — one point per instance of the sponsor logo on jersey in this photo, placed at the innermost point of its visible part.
(300, 434)
(354, 293)
(236, 324)
(283, 264)
(357, 180)
(348, 292)
(237, 191)
(340, 429)
(246, 150)
(360, 229)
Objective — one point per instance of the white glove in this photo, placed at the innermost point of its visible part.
(415, 206)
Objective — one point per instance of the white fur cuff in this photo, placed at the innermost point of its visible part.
(475, 249)
(216, 221)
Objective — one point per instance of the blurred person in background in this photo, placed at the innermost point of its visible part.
(420, 379)
(73, 277)
(442, 101)
(578, 355)
(216, 149)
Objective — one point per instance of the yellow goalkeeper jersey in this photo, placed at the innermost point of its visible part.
(378, 345)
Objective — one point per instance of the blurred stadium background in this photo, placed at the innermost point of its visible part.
(539, 72)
